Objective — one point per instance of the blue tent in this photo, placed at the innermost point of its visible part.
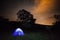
(18, 32)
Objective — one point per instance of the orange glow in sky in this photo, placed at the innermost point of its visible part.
(43, 10)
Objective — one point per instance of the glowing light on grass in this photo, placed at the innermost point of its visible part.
(18, 32)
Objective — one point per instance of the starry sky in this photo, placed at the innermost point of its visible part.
(42, 10)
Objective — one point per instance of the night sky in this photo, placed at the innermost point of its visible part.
(43, 10)
(9, 8)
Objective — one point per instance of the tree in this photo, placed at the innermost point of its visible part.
(25, 17)
(57, 17)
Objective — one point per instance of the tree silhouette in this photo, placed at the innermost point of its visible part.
(25, 17)
(57, 24)
(57, 17)
(2, 19)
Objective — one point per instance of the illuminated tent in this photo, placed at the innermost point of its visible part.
(18, 32)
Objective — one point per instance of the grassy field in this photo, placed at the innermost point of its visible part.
(28, 36)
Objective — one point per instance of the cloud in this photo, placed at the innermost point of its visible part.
(45, 8)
